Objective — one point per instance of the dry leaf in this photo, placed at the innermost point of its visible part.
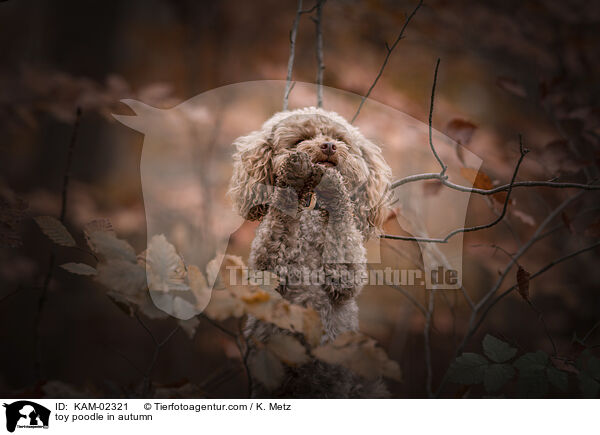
(478, 179)
(55, 230)
(460, 130)
(288, 349)
(567, 221)
(266, 368)
(79, 269)
(512, 86)
(360, 354)
(12, 211)
(190, 326)
(523, 283)
(256, 297)
(111, 248)
(121, 276)
(164, 266)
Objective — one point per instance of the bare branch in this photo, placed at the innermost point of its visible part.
(534, 275)
(293, 35)
(437, 157)
(523, 153)
(389, 51)
(51, 260)
(451, 185)
(320, 65)
(427, 343)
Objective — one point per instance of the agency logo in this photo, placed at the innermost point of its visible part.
(24, 414)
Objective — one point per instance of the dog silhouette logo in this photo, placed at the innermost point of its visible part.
(186, 166)
(26, 414)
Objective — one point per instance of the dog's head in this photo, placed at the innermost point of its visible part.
(330, 141)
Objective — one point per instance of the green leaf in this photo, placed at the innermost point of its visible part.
(558, 378)
(533, 379)
(497, 350)
(468, 369)
(593, 368)
(532, 361)
(496, 375)
(588, 386)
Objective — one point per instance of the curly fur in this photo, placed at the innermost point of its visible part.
(276, 170)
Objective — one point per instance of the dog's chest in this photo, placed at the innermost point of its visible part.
(312, 227)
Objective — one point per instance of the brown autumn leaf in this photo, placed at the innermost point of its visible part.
(523, 283)
(12, 211)
(256, 297)
(109, 247)
(288, 349)
(567, 221)
(266, 368)
(511, 86)
(55, 230)
(79, 269)
(479, 179)
(460, 130)
(102, 224)
(360, 354)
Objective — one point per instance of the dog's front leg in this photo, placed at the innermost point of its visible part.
(276, 236)
(343, 254)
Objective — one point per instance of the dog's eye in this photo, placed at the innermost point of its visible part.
(295, 144)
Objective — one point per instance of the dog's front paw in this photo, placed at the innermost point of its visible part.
(330, 186)
(300, 173)
(295, 170)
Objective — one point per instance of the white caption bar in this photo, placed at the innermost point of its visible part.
(154, 416)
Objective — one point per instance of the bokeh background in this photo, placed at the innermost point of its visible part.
(507, 68)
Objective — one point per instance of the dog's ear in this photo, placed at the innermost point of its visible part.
(252, 180)
(373, 197)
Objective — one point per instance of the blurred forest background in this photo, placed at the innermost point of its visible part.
(507, 68)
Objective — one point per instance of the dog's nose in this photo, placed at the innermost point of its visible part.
(328, 148)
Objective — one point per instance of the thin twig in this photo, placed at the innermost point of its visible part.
(427, 343)
(523, 153)
(474, 323)
(411, 298)
(320, 65)
(52, 259)
(245, 353)
(451, 185)
(293, 35)
(389, 51)
(147, 380)
(534, 275)
(218, 326)
(9, 294)
(590, 332)
(241, 343)
(545, 326)
(431, 103)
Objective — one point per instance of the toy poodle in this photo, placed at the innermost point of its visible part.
(320, 190)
